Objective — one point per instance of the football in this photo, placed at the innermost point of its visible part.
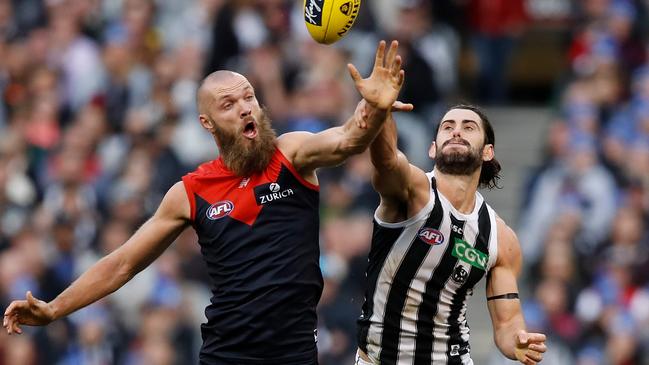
(329, 20)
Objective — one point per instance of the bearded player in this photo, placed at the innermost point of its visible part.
(434, 239)
(255, 210)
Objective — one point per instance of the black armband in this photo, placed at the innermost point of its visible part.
(504, 296)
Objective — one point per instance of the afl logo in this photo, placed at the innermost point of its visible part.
(431, 236)
(274, 187)
(219, 210)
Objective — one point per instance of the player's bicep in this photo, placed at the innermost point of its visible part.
(502, 295)
(309, 151)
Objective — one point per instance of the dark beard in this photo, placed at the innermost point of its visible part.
(458, 163)
(243, 157)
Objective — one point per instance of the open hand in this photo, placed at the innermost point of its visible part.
(382, 87)
(530, 347)
(32, 312)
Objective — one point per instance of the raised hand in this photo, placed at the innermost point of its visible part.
(32, 312)
(530, 347)
(382, 87)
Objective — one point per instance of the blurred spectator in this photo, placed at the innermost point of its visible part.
(578, 190)
(97, 120)
(431, 52)
(495, 25)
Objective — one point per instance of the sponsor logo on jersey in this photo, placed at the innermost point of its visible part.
(431, 236)
(459, 275)
(455, 350)
(244, 182)
(219, 210)
(267, 193)
(457, 229)
(313, 11)
(463, 251)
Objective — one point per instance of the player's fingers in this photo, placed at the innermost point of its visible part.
(402, 107)
(396, 66)
(353, 72)
(15, 327)
(527, 361)
(10, 320)
(539, 347)
(12, 309)
(402, 76)
(533, 355)
(535, 337)
(392, 54)
(30, 299)
(380, 52)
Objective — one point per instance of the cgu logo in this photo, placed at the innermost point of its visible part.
(464, 252)
(219, 210)
(431, 236)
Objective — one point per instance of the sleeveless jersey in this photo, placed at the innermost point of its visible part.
(420, 274)
(259, 239)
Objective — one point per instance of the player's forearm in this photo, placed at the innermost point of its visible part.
(383, 150)
(356, 139)
(103, 278)
(505, 335)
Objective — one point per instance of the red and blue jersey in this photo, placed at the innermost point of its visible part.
(259, 238)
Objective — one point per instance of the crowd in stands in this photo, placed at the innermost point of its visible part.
(98, 119)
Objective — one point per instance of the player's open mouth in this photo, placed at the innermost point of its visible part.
(250, 130)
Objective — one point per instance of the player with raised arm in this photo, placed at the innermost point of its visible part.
(434, 239)
(255, 210)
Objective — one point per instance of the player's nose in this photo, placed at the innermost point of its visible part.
(245, 111)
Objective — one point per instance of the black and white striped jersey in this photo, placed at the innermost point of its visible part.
(420, 273)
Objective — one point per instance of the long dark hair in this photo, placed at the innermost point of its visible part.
(490, 171)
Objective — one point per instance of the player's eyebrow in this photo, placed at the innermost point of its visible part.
(464, 121)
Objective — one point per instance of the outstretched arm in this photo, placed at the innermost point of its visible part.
(112, 271)
(333, 146)
(404, 188)
(504, 305)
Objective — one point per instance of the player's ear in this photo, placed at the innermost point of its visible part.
(432, 151)
(488, 152)
(206, 122)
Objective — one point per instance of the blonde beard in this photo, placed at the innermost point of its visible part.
(243, 157)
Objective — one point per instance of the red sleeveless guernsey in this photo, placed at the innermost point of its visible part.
(259, 238)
